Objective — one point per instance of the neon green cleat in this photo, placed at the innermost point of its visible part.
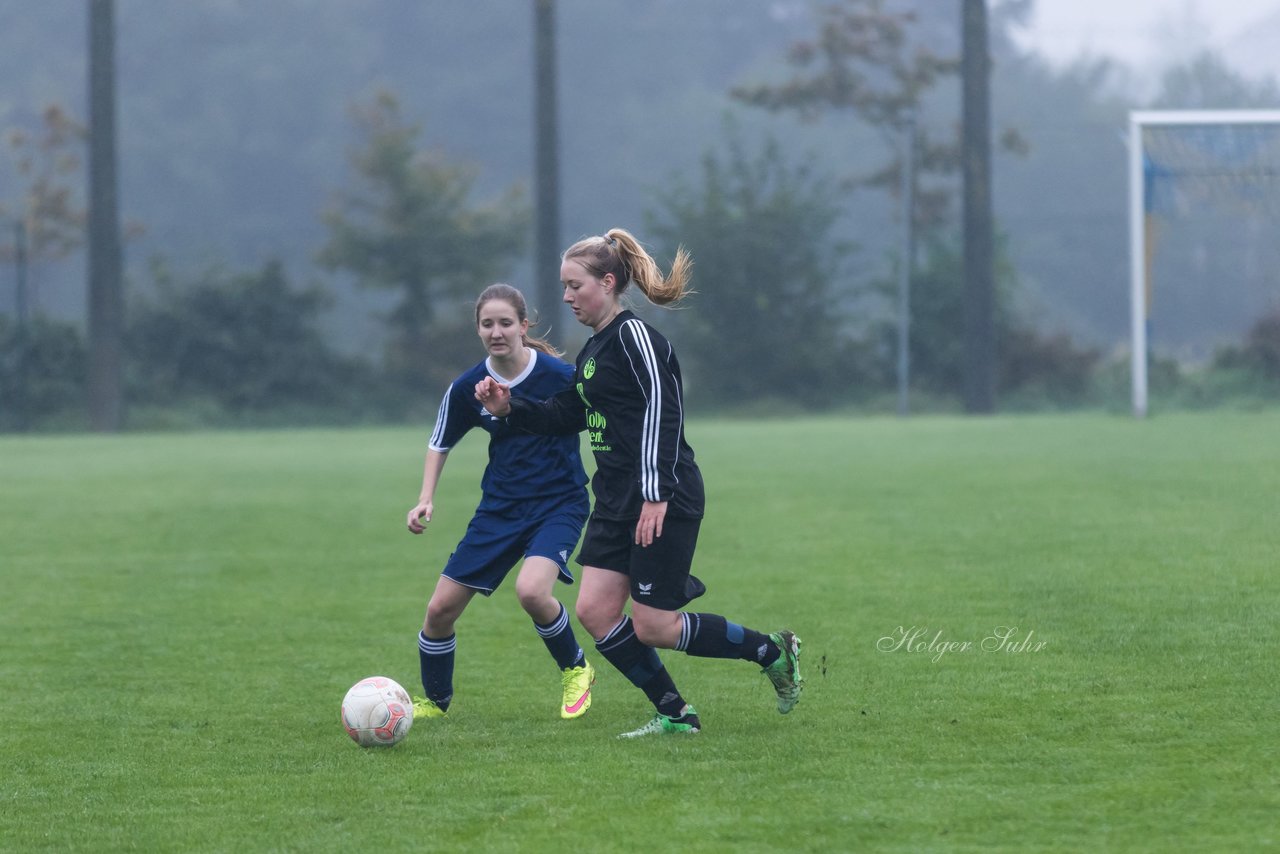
(425, 708)
(785, 672)
(686, 724)
(577, 682)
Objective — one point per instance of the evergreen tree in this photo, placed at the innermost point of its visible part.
(769, 316)
(410, 226)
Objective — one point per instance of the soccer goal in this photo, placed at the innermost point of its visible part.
(1181, 161)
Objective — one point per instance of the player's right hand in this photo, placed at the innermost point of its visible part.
(419, 516)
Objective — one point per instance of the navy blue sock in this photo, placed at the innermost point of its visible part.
(642, 667)
(712, 636)
(563, 646)
(435, 660)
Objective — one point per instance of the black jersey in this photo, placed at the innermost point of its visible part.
(628, 396)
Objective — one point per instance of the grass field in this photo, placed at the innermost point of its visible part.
(181, 615)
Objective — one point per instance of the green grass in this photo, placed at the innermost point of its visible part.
(181, 615)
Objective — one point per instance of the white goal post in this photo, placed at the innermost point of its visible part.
(1139, 286)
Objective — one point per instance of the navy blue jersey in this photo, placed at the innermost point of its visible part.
(522, 466)
(628, 396)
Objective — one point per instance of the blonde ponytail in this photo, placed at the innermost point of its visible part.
(618, 252)
(645, 272)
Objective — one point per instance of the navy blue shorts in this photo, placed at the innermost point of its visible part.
(659, 572)
(496, 542)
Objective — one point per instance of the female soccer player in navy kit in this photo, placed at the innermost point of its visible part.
(534, 504)
(640, 539)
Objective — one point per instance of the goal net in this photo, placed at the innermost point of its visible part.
(1204, 206)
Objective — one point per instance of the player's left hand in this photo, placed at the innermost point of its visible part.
(649, 528)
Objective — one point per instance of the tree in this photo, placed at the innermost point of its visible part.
(1032, 368)
(409, 227)
(247, 343)
(864, 60)
(106, 286)
(1205, 82)
(43, 365)
(49, 212)
(979, 237)
(765, 320)
(47, 225)
(1260, 353)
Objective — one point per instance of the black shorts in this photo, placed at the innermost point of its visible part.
(659, 572)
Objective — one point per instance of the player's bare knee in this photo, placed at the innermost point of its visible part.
(598, 620)
(440, 618)
(645, 635)
(533, 598)
(653, 629)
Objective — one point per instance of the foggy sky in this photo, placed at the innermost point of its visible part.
(1146, 33)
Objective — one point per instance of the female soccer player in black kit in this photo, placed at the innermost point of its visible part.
(640, 538)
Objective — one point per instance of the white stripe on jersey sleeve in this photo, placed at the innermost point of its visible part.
(442, 418)
(651, 428)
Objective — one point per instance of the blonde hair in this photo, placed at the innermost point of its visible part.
(618, 252)
(515, 299)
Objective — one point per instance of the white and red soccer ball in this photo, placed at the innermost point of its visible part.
(377, 712)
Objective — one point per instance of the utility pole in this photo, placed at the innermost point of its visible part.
(546, 266)
(979, 239)
(20, 306)
(906, 265)
(106, 288)
(22, 418)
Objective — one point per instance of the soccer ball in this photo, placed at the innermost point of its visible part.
(377, 712)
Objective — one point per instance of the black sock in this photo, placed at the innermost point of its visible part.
(712, 636)
(641, 665)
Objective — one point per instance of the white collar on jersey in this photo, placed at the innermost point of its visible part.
(528, 369)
